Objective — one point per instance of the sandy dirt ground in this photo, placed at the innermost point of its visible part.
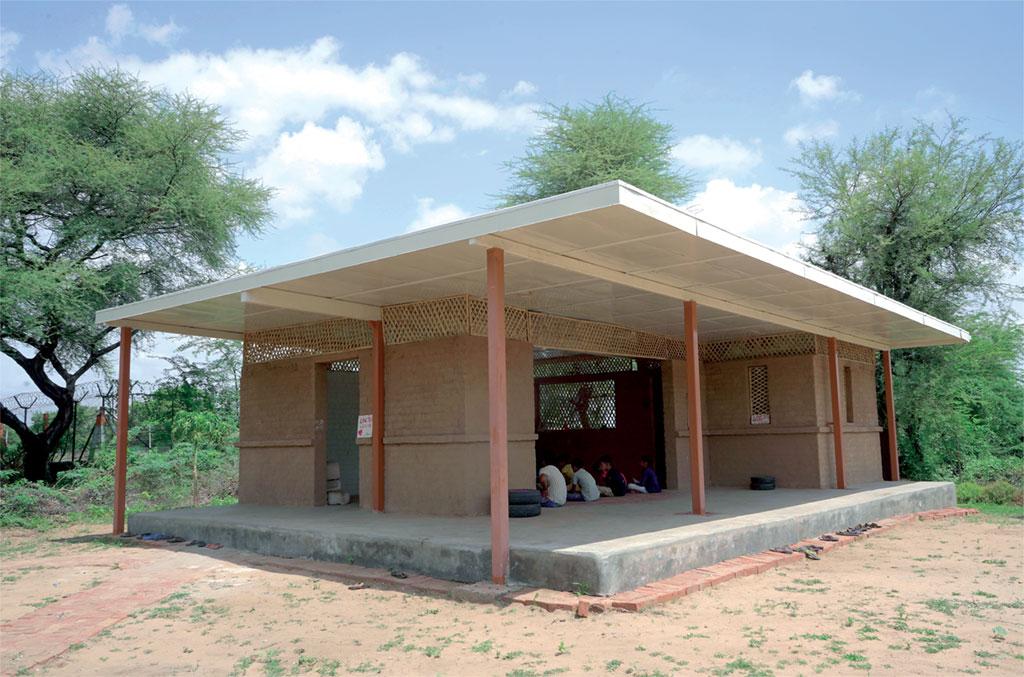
(927, 598)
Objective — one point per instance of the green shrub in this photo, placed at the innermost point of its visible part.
(24, 504)
(989, 468)
(1000, 493)
(969, 492)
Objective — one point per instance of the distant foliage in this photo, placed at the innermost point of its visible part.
(586, 145)
(934, 217)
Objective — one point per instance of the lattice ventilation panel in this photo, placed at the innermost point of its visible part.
(851, 351)
(517, 325)
(552, 331)
(345, 365)
(582, 366)
(305, 340)
(760, 407)
(579, 405)
(779, 345)
(467, 315)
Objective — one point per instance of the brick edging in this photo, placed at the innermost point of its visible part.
(698, 579)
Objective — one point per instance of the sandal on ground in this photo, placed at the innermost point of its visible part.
(809, 553)
(398, 573)
(828, 538)
(784, 550)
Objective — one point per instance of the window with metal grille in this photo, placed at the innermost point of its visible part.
(760, 409)
(345, 365)
(577, 405)
(848, 392)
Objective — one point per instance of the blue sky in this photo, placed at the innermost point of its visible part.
(371, 119)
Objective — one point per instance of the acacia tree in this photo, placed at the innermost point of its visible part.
(110, 191)
(932, 217)
(586, 145)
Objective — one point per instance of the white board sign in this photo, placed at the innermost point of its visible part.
(364, 426)
(760, 419)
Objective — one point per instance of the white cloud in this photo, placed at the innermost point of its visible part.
(471, 80)
(120, 21)
(814, 88)
(522, 88)
(280, 97)
(9, 41)
(121, 24)
(267, 90)
(319, 242)
(720, 155)
(810, 130)
(317, 164)
(429, 214)
(763, 213)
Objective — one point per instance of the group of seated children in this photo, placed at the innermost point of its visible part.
(575, 483)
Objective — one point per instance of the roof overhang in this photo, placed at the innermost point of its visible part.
(609, 253)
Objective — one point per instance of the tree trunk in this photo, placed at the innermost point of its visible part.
(35, 459)
(37, 448)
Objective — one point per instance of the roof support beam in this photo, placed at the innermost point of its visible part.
(837, 420)
(497, 404)
(890, 417)
(377, 433)
(290, 300)
(696, 426)
(636, 282)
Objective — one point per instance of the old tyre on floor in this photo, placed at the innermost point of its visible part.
(523, 497)
(524, 510)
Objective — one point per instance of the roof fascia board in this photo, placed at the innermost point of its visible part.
(177, 329)
(602, 273)
(290, 300)
(557, 206)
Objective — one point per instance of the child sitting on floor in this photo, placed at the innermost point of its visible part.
(610, 482)
(552, 487)
(648, 482)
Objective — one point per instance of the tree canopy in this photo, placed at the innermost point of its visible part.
(110, 191)
(586, 145)
(932, 216)
(928, 216)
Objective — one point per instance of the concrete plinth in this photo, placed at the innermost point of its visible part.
(605, 547)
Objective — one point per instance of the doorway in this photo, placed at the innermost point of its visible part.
(589, 406)
(342, 419)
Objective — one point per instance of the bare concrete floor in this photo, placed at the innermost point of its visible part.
(602, 547)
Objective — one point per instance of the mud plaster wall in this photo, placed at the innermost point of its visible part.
(436, 426)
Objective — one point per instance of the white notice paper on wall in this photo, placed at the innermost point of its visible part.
(364, 426)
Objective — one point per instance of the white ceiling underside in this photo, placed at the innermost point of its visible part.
(610, 253)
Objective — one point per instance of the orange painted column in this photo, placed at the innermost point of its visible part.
(890, 417)
(377, 434)
(121, 456)
(497, 399)
(837, 419)
(697, 494)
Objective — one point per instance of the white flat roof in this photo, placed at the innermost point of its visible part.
(609, 253)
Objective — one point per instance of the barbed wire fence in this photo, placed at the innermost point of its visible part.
(94, 417)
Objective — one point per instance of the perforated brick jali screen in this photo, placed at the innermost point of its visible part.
(467, 315)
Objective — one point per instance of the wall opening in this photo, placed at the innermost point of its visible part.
(342, 418)
(848, 392)
(589, 406)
